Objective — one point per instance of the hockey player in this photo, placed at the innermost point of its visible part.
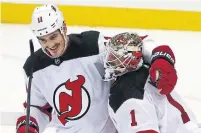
(142, 99)
(66, 78)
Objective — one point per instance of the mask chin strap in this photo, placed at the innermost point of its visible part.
(46, 52)
(109, 75)
(65, 39)
(109, 72)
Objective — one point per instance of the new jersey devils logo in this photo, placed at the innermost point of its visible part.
(71, 100)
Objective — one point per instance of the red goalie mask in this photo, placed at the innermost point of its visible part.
(124, 53)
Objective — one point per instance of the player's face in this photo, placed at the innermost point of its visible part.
(53, 43)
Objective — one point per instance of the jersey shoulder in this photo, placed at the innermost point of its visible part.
(37, 61)
(87, 42)
(80, 45)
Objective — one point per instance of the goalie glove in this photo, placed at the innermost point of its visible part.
(162, 72)
(21, 125)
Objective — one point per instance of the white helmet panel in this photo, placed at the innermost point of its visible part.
(46, 19)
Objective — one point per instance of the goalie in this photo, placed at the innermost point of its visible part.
(142, 99)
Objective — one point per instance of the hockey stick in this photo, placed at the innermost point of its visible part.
(29, 87)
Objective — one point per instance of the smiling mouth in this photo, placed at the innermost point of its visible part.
(54, 48)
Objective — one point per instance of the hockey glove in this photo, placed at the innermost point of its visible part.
(162, 72)
(21, 125)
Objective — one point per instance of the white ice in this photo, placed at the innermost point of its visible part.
(14, 48)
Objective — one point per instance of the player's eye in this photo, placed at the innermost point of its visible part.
(43, 41)
(54, 36)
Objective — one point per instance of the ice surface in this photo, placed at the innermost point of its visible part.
(14, 49)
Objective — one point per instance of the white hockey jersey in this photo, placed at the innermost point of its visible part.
(136, 106)
(72, 86)
(174, 116)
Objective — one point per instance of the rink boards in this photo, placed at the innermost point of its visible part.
(108, 15)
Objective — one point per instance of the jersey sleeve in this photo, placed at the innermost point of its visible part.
(102, 40)
(94, 42)
(39, 109)
(148, 46)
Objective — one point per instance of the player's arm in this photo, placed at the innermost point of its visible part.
(94, 42)
(40, 112)
(162, 60)
(153, 51)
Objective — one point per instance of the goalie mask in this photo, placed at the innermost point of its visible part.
(123, 54)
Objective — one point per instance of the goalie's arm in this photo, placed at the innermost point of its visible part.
(148, 46)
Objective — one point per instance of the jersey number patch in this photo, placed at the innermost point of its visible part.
(133, 120)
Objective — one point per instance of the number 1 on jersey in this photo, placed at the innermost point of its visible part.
(133, 120)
